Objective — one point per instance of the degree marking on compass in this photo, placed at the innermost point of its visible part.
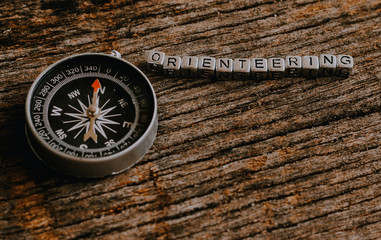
(50, 84)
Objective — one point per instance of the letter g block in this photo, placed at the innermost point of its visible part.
(344, 65)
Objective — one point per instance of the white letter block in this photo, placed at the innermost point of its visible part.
(327, 65)
(189, 66)
(224, 68)
(171, 67)
(241, 69)
(206, 67)
(155, 61)
(259, 69)
(277, 68)
(344, 65)
(293, 66)
(310, 66)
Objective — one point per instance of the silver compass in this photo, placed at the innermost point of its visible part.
(91, 115)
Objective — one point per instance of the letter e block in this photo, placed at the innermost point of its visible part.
(206, 67)
(277, 68)
(259, 69)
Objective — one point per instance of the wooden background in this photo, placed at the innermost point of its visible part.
(291, 159)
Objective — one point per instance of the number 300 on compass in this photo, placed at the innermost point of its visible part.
(91, 115)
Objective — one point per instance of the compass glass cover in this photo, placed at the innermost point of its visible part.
(91, 106)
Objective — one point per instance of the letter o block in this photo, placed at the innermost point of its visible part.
(155, 61)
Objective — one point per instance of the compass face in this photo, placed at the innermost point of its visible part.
(69, 120)
(89, 106)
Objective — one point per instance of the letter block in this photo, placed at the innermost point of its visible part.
(189, 66)
(171, 67)
(155, 61)
(327, 65)
(293, 66)
(259, 69)
(277, 68)
(206, 67)
(241, 69)
(224, 68)
(310, 66)
(344, 65)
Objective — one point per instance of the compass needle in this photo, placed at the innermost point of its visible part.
(99, 119)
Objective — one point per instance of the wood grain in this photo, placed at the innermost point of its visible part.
(291, 159)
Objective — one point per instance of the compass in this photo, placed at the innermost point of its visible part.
(91, 115)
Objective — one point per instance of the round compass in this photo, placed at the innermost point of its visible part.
(91, 115)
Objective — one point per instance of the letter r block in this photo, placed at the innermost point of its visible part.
(293, 66)
(171, 67)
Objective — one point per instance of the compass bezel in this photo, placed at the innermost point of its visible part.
(90, 166)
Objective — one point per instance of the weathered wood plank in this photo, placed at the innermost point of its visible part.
(291, 159)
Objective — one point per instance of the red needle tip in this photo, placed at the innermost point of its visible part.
(96, 85)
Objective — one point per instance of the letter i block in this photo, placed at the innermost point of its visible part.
(277, 68)
(344, 65)
(171, 67)
(293, 66)
(155, 61)
(206, 67)
(259, 69)
(189, 66)
(327, 65)
(310, 66)
(224, 68)
(241, 69)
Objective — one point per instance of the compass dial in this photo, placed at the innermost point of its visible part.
(91, 115)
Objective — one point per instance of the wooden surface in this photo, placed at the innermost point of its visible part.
(291, 159)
